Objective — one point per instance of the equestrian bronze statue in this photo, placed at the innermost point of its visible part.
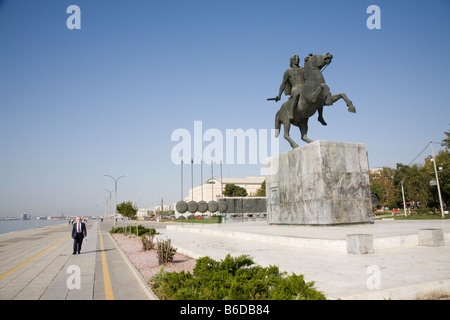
(308, 93)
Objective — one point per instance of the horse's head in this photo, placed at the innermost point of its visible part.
(318, 61)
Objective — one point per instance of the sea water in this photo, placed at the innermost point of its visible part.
(16, 225)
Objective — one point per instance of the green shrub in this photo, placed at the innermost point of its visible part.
(392, 204)
(165, 251)
(141, 230)
(147, 242)
(233, 278)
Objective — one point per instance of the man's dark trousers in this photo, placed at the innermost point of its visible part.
(77, 242)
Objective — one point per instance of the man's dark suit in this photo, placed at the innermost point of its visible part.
(78, 234)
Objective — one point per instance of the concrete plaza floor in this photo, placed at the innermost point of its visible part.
(38, 264)
(398, 269)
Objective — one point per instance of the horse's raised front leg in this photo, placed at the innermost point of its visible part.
(287, 128)
(303, 125)
(321, 92)
(336, 97)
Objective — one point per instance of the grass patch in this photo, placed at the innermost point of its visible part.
(217, 219)
(420, 217)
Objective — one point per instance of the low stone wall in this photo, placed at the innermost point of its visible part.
(245, 205)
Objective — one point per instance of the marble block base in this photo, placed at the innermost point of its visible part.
(359, 243)
(322, 183)
(431, 237)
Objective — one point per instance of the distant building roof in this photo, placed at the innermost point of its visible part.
(377, 169)
(246, 180)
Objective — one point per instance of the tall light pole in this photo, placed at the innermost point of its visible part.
(115, 189)
(437, 181)
(403, 196)
(110, 192)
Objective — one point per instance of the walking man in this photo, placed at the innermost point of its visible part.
(79, 232)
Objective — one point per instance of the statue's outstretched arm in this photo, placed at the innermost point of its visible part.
(282, 87)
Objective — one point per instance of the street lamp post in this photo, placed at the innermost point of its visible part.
(437, 182)
(115, 189)
(403, 196)
(110, 192)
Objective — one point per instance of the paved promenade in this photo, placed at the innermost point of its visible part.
(38, 264)
(398, 269)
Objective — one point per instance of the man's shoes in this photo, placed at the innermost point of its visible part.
(78, 252)
(74, 253)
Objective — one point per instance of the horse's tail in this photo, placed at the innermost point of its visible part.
(277, 125)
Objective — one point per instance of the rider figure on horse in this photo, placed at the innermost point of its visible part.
(293, 80)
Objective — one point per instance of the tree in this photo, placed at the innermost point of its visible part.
(382, 184)
(127, 209)
(232, 190)
(261, 192)
(386, 184)
(443, 167)
(415, 184)
(446, 141)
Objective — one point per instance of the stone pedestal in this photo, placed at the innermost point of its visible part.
(322, 183)
(431, 237)
(359, 243)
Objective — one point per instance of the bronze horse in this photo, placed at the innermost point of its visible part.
(314, 95)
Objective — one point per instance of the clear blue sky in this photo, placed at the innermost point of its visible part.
(75, 104)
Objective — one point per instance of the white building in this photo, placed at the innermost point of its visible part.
(376, 169)
(211, 189)
(143, 212)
